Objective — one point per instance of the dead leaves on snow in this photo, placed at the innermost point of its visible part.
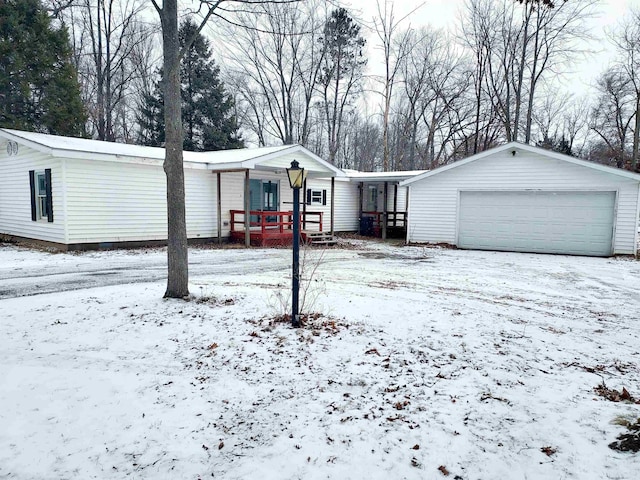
(490, 396)
(316, 322)
(614, 395)
(548, 450)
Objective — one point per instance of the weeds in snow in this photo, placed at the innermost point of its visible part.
(312, 286)
(627, 442)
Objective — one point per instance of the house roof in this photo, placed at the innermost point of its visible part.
(517, 146)
(246, 158)
(399, 176)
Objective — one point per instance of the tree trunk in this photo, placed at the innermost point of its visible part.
(523, 59)
(177, 251)
(534, 80)
(636, 136)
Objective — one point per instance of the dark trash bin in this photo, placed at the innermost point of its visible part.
(366, 226)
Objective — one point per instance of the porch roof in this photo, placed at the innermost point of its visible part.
(263, 158)
(377, 177)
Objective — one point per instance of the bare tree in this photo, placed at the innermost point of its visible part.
(434, 104)
(627, 42)
(518, 44)
(177, 249)
(613, 116)
(106, 33)
(276, 61)
(395, 47)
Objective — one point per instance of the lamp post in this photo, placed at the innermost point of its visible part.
(296, 180)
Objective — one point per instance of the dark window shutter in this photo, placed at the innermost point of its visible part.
(32, 185)
(324, 197)
(47, 176)
(309, 196)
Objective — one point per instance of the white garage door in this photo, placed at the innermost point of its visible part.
(579, 223)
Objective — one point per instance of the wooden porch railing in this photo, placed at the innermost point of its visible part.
(266, 223)
(394, 219)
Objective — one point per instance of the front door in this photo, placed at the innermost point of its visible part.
(263, 196)
(371, 200)
(270, 199)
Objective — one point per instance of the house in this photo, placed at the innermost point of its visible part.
(382, 204)
(526, 199)
(78, 193)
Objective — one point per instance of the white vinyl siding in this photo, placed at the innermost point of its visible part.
(433, 201)
(15, 195)
(118, 202)
(345, 205)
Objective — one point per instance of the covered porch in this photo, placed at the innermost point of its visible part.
(258, 184)
(382, 203)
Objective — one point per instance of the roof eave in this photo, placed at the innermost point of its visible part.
(331, 170)
(530, 149)
(39, 147)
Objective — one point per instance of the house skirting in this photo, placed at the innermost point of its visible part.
(75, 247)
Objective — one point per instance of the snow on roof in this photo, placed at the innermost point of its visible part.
(277, 157)
(382, 176)
(57, 143)
(515, 146)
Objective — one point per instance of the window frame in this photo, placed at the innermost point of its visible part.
(41, 195)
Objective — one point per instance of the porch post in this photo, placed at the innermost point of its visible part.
(219, 208)
(360, 196)
(333, 191)
(247, 210)
(406, 215)
(304, 204)
(395, 203)
(384, 211)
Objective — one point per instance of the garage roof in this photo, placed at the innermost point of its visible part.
(517, 146)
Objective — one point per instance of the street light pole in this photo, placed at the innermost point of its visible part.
(296, 180)
(295, 310)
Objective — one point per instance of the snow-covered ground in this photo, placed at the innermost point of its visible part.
(426, 364)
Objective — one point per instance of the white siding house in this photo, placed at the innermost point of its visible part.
(318, 198)
(104, 194)
(522, 198)
(383, 202)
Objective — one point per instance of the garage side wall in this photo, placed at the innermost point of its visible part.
(122, 202)
(433, 201)
(15, 195)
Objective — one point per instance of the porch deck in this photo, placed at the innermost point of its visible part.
(371, 224)
(272, 229)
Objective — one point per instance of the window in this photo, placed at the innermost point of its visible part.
(41, 198)
(372, 198)
(316, 197)
(41, 195)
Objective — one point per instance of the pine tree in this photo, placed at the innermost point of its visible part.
(39, 88)
(341, 73)
(207, 110)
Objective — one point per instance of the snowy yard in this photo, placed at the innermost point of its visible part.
(427, 364)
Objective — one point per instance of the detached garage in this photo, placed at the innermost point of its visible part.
(526, 199)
